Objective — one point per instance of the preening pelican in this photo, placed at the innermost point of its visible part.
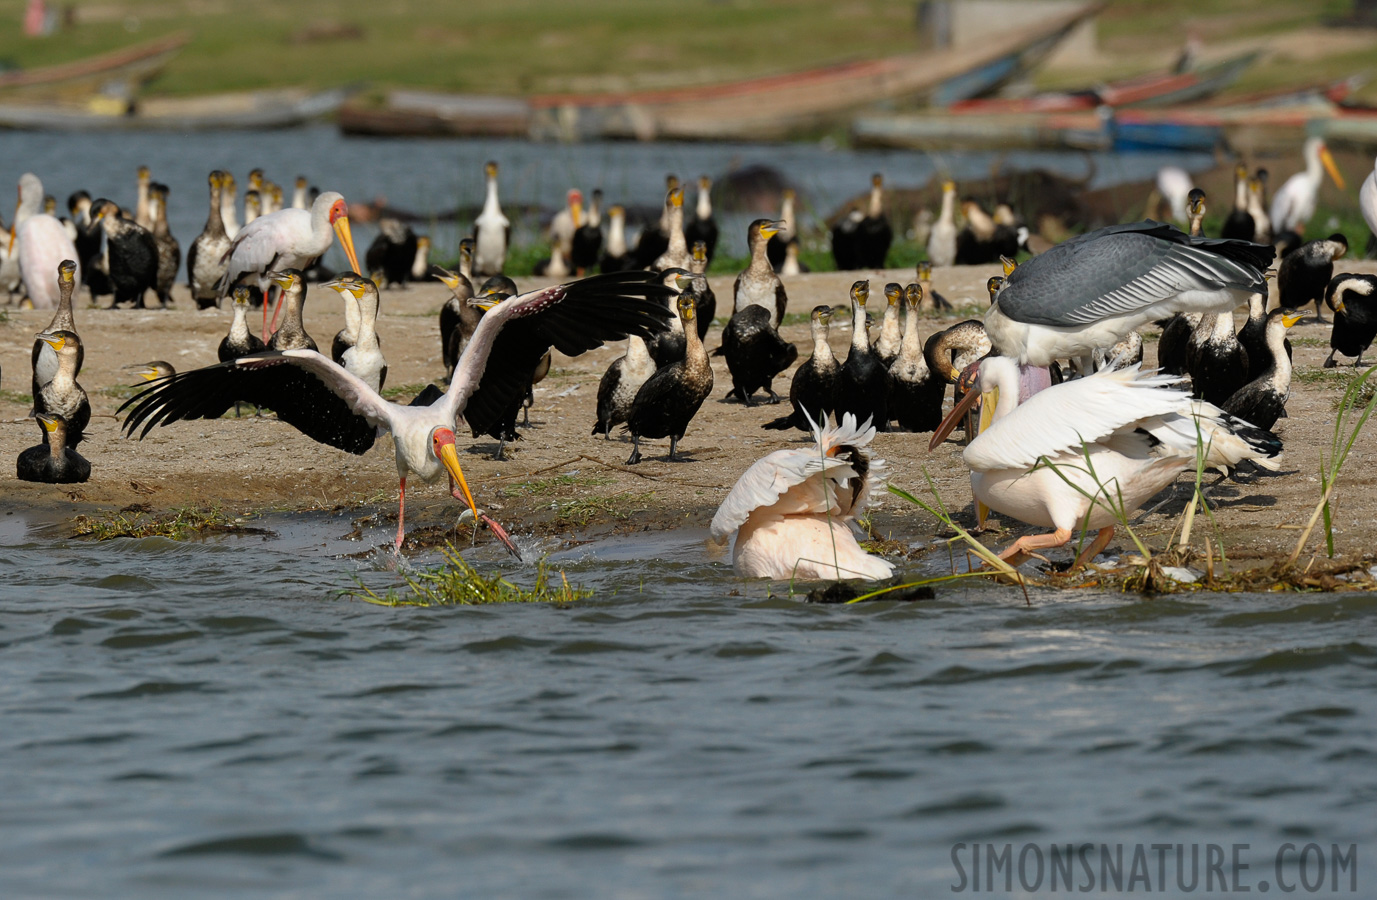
(793, 511)
(1294, 204)
(1136, 431)
(1092, 290)
(328, 404)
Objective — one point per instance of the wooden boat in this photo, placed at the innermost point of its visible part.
(780, 106)
(1125, 131)
(1158, 89)
(282, 108)
(430, 114)
(133, 65)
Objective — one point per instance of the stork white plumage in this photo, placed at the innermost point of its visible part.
(1136, 431)
(1294, 204)
(1175, 186)
(792, 512)
(41, 243)
(332, 406)
(288, 239)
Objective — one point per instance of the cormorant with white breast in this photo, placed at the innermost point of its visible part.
(816, 382)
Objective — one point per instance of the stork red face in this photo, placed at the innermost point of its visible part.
(339, 220)
(442, 445)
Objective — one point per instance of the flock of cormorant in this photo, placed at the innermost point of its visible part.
(1060, 326)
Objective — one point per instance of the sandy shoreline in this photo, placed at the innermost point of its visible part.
(560, 481)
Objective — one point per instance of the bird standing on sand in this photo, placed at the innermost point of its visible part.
(864, 390)
(615, 257)
(54, 461)
(1215, 360)
(676, 253)
(586, 244)
(133, 254)
(1354, 301)
(668, 401)
(38, 243)
(291, 334)
(205, 258)
(458, 318)
(492, 230)
(44, 358)
(169, 250)
(1294, 203)
(1305, 273)
(758, 285)
(357, 348)
(619, 385)
(916, 391)
(63, 395)
(793, 512)
(1262, 401)
(755, 353)
(942, 240)
(1034, 455)
(887, 345)
(392, 252)
(1092, 290)
(815, 383)
(1240, 224)
(329, 405)
(240, 341)
(703, 227)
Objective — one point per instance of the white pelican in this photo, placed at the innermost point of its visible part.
(792, 512)
(1138, 430)
(1294, 204)
(491, 230)
(1092, 290)
(328, 404)
(1175, 185)
(42, 244)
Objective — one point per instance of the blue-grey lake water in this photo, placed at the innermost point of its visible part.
(213, 719)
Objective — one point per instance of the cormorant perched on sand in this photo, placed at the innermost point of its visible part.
(864, 390)
(556, 265)
(357, 348)
(668, 401)
(1354, 301)
(240, 341)
(152, 371)
(1240, 224)
(458, 318)
(291, 334)
(619, 385)
(1177, 330)
(420, 263)
(942, 240)
(886, 346)
(778, 246)
(758, 285)
(169, 250)
(615, 256)
(703, 227)
(815, 383)
(1253, 337)
(669, 346)
(392, 252)
(586, 244)
(676, 253)
(229, 206)
(932, 301)
(704, 300)
(1216, 362)
(916, 392)
(861, 241)
(755, 353)
(1257, 208)
(1262, 401)
(133, 254)
(88, 246)
(492, 231)
(206, 257)
(654, 239)
(45, 359)
(63, 396)
(1306, 272)
(54, 461)
(983, 240)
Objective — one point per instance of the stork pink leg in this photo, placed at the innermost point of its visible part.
(401, 515)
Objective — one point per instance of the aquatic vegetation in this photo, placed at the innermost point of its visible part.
(457, 583)
(540, 486)
(1345, 434)
(178, 524)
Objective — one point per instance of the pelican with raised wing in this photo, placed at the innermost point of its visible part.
(328, 404)
(1092, 290)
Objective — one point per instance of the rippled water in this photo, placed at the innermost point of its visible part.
(211, 719)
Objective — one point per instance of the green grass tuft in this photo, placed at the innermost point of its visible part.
(177, 525)
(459, 584)
(541, 486)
